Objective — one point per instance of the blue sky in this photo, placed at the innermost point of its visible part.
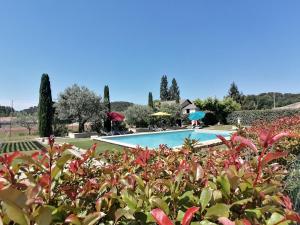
(130, 44)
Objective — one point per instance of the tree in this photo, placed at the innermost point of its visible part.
(120, 106)
(81, 105)
(138, 115)
(172, 108)
(174, 92)
(234, 93)
(221, 108)
(106, 101)
(29, 121)
(106, 98)
(164, 91)
(6, 110)
(150, 100)
(45, 111)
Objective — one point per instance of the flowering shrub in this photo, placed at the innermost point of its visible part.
(237, 185)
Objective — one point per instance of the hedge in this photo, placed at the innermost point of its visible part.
(248, 117)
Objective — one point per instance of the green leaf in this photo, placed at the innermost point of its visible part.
(204, 222)
(205, 198)
(60, 164)
(157, 202)
(218, 210)
(140, 182)
(29, 160)
(14, 197)
(180, 215)
(217, 194)
(244, 186)
(123, 212)
(212, 185)
(129, 199)
(16, 214)
(225, 185)
(275, 219)
(93, 218)
(243, 201)
(44, 216)
(254, 213)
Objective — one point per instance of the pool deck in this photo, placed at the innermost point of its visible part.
(207, 143)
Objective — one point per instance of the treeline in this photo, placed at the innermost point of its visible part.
(263, 100)
(6, 111)
(266, 100)
(120, 106)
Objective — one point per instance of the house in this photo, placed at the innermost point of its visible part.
(187, 106)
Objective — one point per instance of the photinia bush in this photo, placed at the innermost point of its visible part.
(241, 183)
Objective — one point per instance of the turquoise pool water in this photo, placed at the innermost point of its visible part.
(171, 139)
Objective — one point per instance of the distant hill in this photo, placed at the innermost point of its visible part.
(266, 100)
(30, 110)
(120, 106)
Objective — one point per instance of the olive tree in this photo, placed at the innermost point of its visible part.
(173, 109)
(79, 104)
(138, 115)
(29, 121)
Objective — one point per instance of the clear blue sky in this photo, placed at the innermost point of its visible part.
(130, 44)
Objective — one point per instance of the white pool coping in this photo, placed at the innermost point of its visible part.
(201, 143)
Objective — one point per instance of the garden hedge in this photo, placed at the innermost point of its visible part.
(248, 117)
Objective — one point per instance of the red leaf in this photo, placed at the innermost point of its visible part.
(246, 222)
(8, 158)
(293, 217)
(160, 217)
(286, 202)
(189, 215)
(225, 142)
(225, 221)
(264, 137)
(272, 156)
(278, 137)
(74, 165)
(244, 141)
(44, 180)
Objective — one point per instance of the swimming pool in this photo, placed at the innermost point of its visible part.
(172, 139)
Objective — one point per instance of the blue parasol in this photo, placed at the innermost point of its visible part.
(197, 115)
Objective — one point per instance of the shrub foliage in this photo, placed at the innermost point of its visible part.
(241, 184)
(248, 117)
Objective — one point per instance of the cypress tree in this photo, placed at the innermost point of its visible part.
(234, 93)
(150, 100)
(106, 101)
(174, 92)
(45, 112)
(164, 92)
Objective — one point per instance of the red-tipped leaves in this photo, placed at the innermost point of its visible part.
(245, 142)
(272, 156)
(189, 215)
(160, 217)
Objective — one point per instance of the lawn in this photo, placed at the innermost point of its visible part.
(86, 143)
(219, 127)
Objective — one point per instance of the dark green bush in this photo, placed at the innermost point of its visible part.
(210, 119)
(248, 117)
(60, 130)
